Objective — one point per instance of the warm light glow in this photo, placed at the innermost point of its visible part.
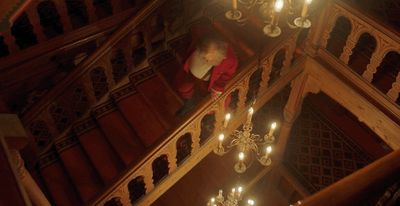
(250, 202)
(241, 156)
(308, 1)
(269, 150)
(273, 125)
(221, 137)
(233, 190)
(278, 5)
(227, 117)
(240, 189)
(251, 110)
(212, 200)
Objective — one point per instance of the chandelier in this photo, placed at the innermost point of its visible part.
(249, 145)
(233, 199)
(271, 10)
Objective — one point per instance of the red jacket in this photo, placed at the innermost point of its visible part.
(221, 73)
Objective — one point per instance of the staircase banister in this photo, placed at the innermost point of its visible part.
(86, 64)
(377, 25)
(246, 70)
(66, 41)
(352, 189)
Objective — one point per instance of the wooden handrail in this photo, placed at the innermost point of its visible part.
(352, 189)
(66, 41)
(86, 64)
(378, 25)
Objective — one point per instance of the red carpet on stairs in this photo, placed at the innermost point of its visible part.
(138, 114)
(101, 154)
(118, 132)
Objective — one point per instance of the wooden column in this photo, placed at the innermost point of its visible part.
(320, 26)
(353, 189)
(11, 191)
(291, 46)
(34, 192)
(148, 178)
(172, 162)
(62, 10)
(243, 88)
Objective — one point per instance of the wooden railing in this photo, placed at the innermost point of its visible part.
(97, 74)
(140, 177)
(359, 186)
(386, 41)
(64, 13)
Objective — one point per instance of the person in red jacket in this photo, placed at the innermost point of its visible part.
(210, 65)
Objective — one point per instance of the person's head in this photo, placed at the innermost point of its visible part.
(212, 48)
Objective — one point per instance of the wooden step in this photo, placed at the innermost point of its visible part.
(158, 94)
(118, 132)
(101, 154)
(57, 181)
(79, 168)
(139, 115)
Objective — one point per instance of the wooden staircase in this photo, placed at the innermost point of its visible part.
(114, 136)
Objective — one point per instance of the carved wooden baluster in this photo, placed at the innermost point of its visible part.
(148, 177)
(90, 10)
(106, 63)
(127, 51)
(266, 65)
(351, 42)
(196, 131)
(332, 17)
(376, 59)
(123, 194)
(172, 161)
(291, 46)
(61, 7)
(243, 89)
(88, 87)
(34, 18)
(393, 93)
(9, 40)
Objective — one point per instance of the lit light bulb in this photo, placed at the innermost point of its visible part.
(221, 137)
(272, 129)
(250, 202)
(251, 110)
(308, 1)
(241, 156)
(212, 200)
(278, 5)
(240, 189)
(269, 150)
(227, 118)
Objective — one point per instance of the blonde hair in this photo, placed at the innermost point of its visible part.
(204, 44)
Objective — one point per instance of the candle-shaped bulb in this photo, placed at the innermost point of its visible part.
(220, 193)
(269, 150)
(305, 8)
(234, 4)
(240, 189)
(241, 156)
(249, 115)
(212, 200)
(250, 202)
(221, 137)
(272, 129)
(227, 118)
(251, 110)
(278, 5)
